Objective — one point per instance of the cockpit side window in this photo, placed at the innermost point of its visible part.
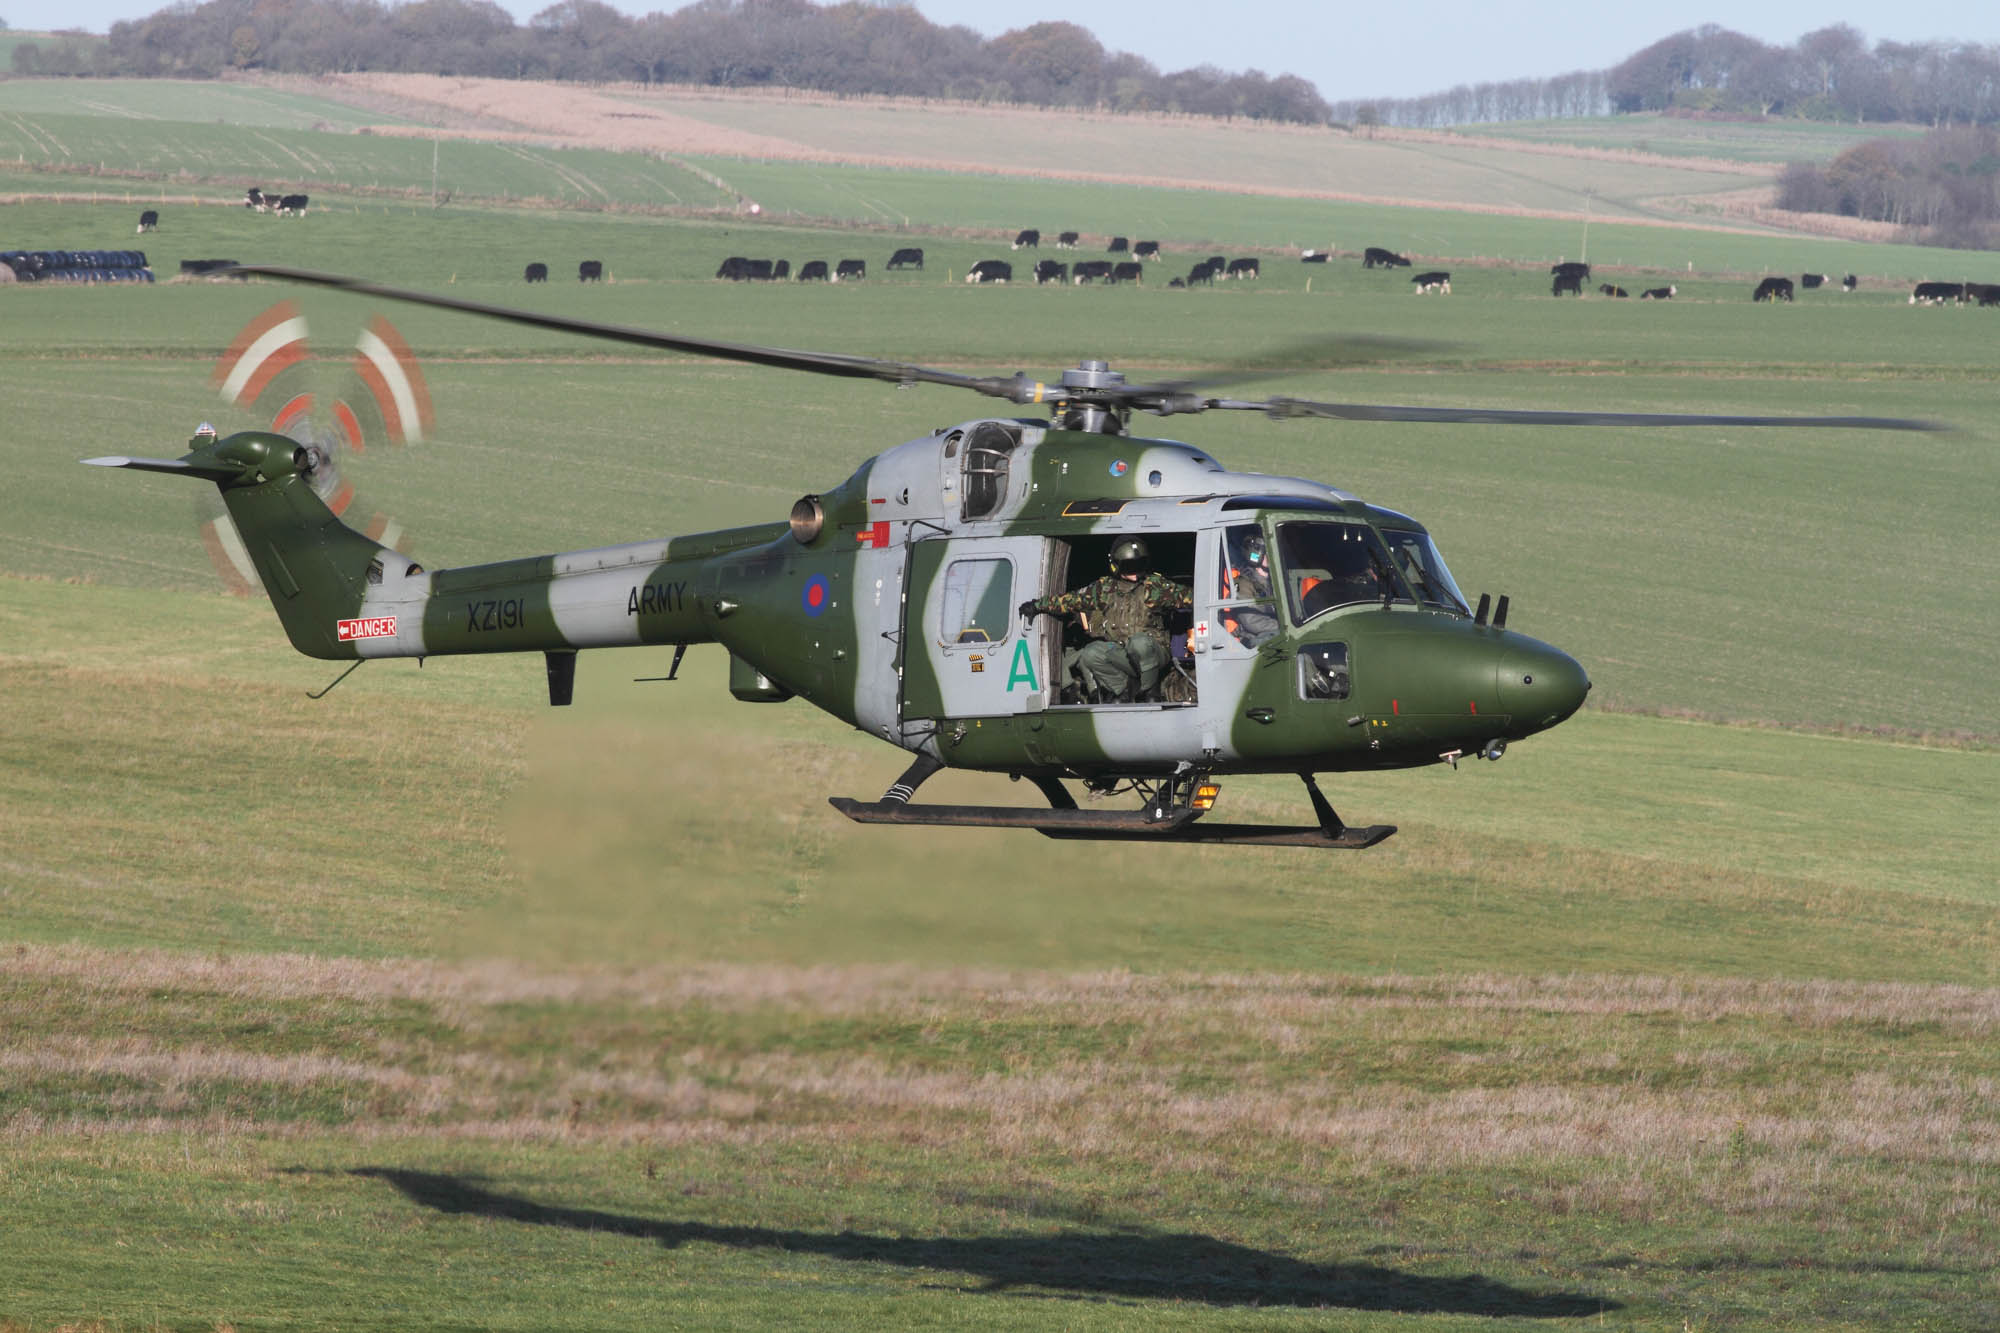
(1329, 565)
(1250, 607)
(1323, 671)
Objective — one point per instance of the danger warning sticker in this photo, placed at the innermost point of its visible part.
(373, 627)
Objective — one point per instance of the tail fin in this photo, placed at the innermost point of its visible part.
(315, 568)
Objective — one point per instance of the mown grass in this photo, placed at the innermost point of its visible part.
(1773, 141)
(424, 1005)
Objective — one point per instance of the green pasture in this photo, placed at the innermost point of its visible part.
(95, 153)
(426, 1005)
(1772, 141)
(193, 101)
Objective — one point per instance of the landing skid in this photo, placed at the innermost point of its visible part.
(1163, 821)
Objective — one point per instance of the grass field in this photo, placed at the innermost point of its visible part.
(1770, 141)
(424, 1004)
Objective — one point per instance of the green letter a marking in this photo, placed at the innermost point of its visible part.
(1023, 668)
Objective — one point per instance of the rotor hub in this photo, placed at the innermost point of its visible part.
(1092, 375)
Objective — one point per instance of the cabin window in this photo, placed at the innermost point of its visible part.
(988, 452)
(1328, 565)
(1323, 671)
(978, 601)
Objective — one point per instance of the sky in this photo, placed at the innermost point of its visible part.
(1373, 49)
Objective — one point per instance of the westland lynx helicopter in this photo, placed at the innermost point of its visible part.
(1321, 633)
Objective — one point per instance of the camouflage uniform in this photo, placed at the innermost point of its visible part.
(1127, 622)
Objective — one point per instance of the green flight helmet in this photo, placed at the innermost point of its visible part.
(1130, 557)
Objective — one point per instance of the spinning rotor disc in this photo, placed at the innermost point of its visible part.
(376, 402)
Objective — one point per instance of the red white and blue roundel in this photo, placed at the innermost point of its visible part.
(817, 595)
(1120, 467)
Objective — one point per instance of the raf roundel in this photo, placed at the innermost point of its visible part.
(817, 595)
(1120, 467)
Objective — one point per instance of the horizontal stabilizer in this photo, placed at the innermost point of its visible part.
(179, 467)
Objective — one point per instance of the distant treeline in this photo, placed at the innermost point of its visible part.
(1830, 74)
(1944, 187)
(842, 48)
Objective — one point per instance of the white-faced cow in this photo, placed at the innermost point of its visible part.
(1985, 293)
(1129, 271)
(1848, 284)
(991, 270)
(1606, 289)
(1812, 282)
(1051, 270)
(1066, 241)
(1146, 250)
(1028, 240)
(1376, 257)
(1119, 245)
(907, 258)
(1435, 281)
(1314, 257)
(1244, 268)
(254, 198)
(850, 268)
(1938, 293)
(1773, 289)
(148, 220)
(535, 273)
(1665, 293)
(814, 270)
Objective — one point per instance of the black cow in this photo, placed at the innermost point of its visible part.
(1773, 289)
(1028, 240)
(911, 258)
(292, 206)
(1119, 245)
(1146, 250)
(1314, 257)
(149, 220)
(1848, 284)
(1937, 293)
(756, 270)
(735, 268)
(1066, 241)
(781, 269)
(590, 270)
(1090, 270)
(814, 271)
(1665, 293)
(1243, 268)
(1567, 282)
(1178, 284)
(1608, 290)
(1050, 270)
(1812, 282)
(1435, 281)
(849, 268)
(1986, 293)
(1204, 272)
(991, 270)
(535, 273)
(1130, 271)
(1376, 257)
(1572, 269)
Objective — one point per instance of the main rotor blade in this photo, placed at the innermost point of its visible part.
(1495, 416)
(820, 363)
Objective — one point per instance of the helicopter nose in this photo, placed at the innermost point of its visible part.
(1541, 685)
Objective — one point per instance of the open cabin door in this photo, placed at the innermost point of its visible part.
(965, 651)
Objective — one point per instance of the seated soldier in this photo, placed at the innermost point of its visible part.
(1125, 615)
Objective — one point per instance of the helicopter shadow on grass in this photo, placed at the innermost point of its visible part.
(1126, 1265)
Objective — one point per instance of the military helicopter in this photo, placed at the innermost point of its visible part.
(1322, 633)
